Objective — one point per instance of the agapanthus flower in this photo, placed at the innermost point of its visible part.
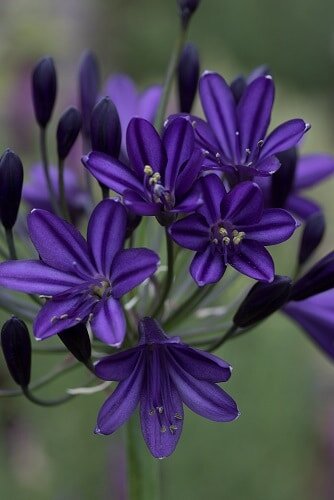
(234, 136)
(163, 171)
(232, 228)
(81, 280)
(239, 84)
(161, 374)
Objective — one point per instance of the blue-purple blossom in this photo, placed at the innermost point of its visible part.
(81, 280)
(239, 84)
(232, 228)
(161, 374)
(162, 177)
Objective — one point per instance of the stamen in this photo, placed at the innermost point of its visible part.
(78, 319)
(53, 319)
(160, 409)
(178, 416)
(238, 237)
(151, 412)
(223, 231)
(260, 143)
(163, 428)
(215, 240)
(63, 316)
(226, 240)
(148, 170)
(172, 428)
(45, 297)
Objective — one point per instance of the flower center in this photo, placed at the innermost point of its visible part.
(224, 234)
(101, 289)
(157, 191)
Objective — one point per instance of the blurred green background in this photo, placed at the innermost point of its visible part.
(282, 447)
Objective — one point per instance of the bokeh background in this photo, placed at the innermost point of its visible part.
(282, 447)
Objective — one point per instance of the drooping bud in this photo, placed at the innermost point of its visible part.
(105, 128)
(89, 83)
(282, 180)
(317, 280)
(313, 233)
(238, 87)
(188, 75)
(11, 180)
(187, 8)
(16, 347)
(263, 300)
(77, 341)
(69, 126)
(44, 90)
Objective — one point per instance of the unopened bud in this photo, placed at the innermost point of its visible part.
(188, 74)
(105, 128)
(68, 129)
(317, 280)
(89, 83)
(187, 8)
(16, 347)
(44, 90)
(11, 180)
(238, 87)
(313, 233)
(77, 341)
(282, 180)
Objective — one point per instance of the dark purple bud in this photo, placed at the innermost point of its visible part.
(105, 128)
(188, 75)
(187, 8)
(16, 347)
(77, 341)
(11, 180)
(89, 83)
(238, 86)
(282, 180)
(132, 223)
(263, 300)
(313, 233)
(44, 90)
(68, 130)
(317, 280)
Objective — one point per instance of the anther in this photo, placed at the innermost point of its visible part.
(193, 123)
(248, 151)
(148, 170)
(53, 319)
(78, 319)
(226, 240)
(260, 143)
(215, 240)
(151, 412)
(63, 316)
(163, 428)
(172, 428)
(160, 409)
(45, 297)
(90, 317)
(222, 231)
(178, 416)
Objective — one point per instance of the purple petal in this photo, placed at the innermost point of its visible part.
(253, 260)
(112, 173)
(144, 147)
(106, 233)
(118, 366)
(122, 91)
(301, 206)
(130, 268)
(219, 108)
(243, 204)
(191, 201)
(108, 323)
(200, 364)
(139, 205)
(179, 142)
(254, 111)
(33, 276)
(285, 136)
(189, 173)
(191, 232)
(58, 243)
(213, 193)
(276, 225)
(119, 407)
(204, 136)
(148, 102)
(267, 166)
(207, 267)
(312, 169)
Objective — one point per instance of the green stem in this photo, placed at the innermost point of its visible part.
(11, 244)
(45, 163)
(89, 187)
(227, 335)
(170, 275)
(42, 402)
(62, 194)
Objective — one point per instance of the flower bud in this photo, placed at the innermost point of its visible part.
(263, 300)
(313, 233)
(238, 87)
(11, 180)
(68, 129)
(77, 341)
(105, 128)
(187, 8)
(317, 280)
(89, 83)
(16, 347)
(44, 90)
(188, 74)
(282, 180)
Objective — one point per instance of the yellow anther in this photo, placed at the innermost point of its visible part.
(178, 416)
(215, 240)
(148, 170)
(238, 238)
(155, 178)
(163, 428)
(172, 428)
(226, 240)
(223, 231)
(152, 412)
(235, 232)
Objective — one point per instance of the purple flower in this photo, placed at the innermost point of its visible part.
(239, 84)
(81, 280)
(161, 374)
(234, 137)
(163, 173)
(232, 228)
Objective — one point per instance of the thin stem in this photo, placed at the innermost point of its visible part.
(170, 275)
(11, 244)
(62, 194)
(88, 177)
(105, 191)
(227, 335)
(45, 163)
(42, 402)
(134, 480)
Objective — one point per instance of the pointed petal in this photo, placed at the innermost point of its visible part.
(254, 111)
(112, 173)
(122, 91)
(118, 366)
(144, 147)
(148, 102)
(276, 225)
(243, 204)
(106, 233)
(58, 243)
(119, 407)
(191, 232)
(33, 276)
(179, 142)
(267, 166)
(139, 205)
(219, 108)
(204, 136)
(200, 364)
(284, 136)
(312, 169)
(253, 260)
(108, 323)
(207, 267)
(301, 206)
(189, 173)
(191, 201)
(213, 193)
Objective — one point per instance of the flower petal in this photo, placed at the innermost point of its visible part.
(267, 166)
(213, 193)
(312, 169)
(253, 260)
(219, 108)
(189, 173)
(301, 206)
(191, 232)
(33, 276)
(130, 268)
(284, 136)
(58, 243)
(108, 323)
(191, 201)
(106, 233)
(148, 102)
(243, 204)
(207, 267)
(276, 225)
(179, 142)
(139, 205)
(118, 366)
(200, 364)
